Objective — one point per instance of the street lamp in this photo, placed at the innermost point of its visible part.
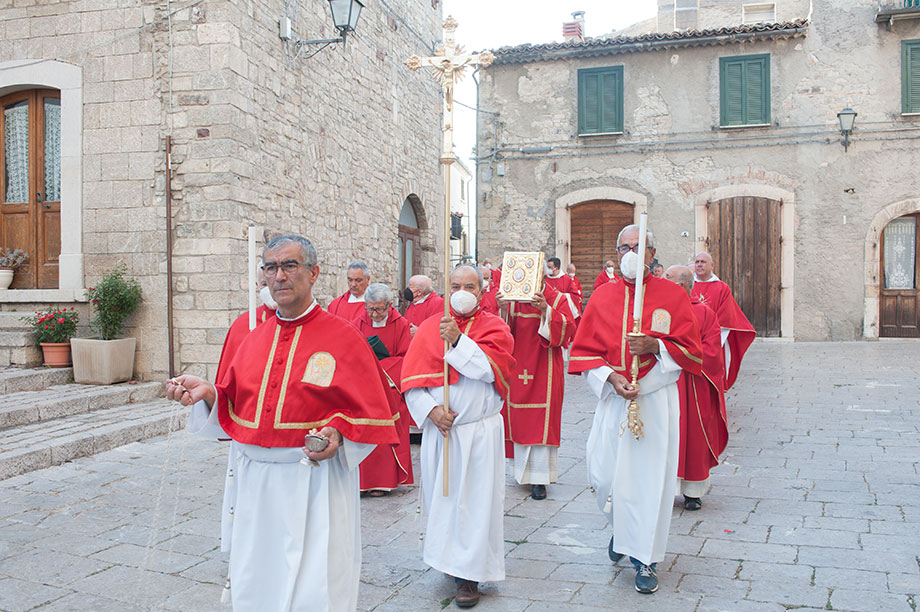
(847, 118)
(345, 14)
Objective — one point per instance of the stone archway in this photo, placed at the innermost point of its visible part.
(565, 203)
(873, 275)
(787, 232)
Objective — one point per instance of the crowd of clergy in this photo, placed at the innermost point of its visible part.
(306, 395)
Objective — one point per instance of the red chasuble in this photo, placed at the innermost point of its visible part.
(239, 329)
(341, 307)
(718, 296)
(288, 377)
(433, 305)
(534, 413)
(565, 284)
(703, 429)
(424, 364)
(389, 466)
(578, 290)
(603, 278)
(666, 315)
(489, 301)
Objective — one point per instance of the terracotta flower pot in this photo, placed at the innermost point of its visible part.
(56, 354)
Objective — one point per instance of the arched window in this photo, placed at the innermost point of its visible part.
(409, 252)
(30, 184)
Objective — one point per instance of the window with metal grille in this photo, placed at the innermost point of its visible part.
(744, 90)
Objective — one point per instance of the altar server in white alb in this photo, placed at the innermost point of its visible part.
(464, 534)
(295, 536)
(636, 480)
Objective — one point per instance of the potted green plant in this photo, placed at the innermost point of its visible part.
(53, 329)
(10, 261)
(108, 359)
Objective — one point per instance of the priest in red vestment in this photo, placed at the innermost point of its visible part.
(301, 372)
(607, 275)
(635, 481)
(533, 417)
(703, 426)
(387, 332)
(563, 283)
(737, 331)
(425, 302)
(489, 302)
(570, 271)
(464, 529)
(350, 305)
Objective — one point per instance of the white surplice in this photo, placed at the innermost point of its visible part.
(635, 481)
(464, 534)
(293, 530)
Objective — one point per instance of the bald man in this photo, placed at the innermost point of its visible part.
(703, 426)
(737, 331)
(425, 302)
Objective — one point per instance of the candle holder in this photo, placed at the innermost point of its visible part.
(633, 422)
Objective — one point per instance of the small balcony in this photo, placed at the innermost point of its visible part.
(890, 11)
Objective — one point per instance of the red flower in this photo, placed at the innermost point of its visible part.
(61, 320)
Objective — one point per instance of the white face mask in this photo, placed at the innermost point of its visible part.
(265, 295)
(463, 302)
(571, 275)
(629, 265)
(485, 285)
(489, 266)
(609, 270)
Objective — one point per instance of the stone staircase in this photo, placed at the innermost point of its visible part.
(46, 419)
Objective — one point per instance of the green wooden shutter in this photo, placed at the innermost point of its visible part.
(910, 76)
(744, 90)
(600, 100)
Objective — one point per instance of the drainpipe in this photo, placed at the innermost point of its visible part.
(169, 248)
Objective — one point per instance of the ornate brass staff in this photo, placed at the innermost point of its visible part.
(633, 422)
(449, 63)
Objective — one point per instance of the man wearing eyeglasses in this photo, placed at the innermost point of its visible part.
(350, 305)
(635, 481)
(295, 540)
(388, 334)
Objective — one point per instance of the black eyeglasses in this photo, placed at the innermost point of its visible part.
(270, 269)
(376, 309)
(623, 249)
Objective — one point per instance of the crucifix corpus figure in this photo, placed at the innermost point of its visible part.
(466, 356)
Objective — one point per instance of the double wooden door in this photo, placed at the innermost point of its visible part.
(899, 297)
(745, 243)
(30, 184)
(595, 225)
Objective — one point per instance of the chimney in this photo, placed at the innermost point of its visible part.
(574, 31)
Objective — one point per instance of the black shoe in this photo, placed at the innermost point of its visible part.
(646, 579)
(614, 556)
(692, 503)
(538, 492)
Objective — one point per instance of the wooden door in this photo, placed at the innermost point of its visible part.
(899, 297)
(595, 225)
(30, 184)
(745, 243)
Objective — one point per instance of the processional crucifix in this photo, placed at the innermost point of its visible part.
(449, 63)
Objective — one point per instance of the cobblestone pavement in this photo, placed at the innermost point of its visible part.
(816, 506)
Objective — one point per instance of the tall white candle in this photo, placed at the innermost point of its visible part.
(252, 278)
(640, 274)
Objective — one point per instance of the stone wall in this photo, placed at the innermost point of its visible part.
(673, 154)
(328, 147)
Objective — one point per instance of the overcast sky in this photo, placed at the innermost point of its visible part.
(489, 24)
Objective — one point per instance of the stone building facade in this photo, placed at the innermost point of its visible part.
(332, 146)
(677, 154)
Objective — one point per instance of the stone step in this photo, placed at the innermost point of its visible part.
(18, 348)
(13, 319)
(27, 407)
(40, 445)
(32, 379)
